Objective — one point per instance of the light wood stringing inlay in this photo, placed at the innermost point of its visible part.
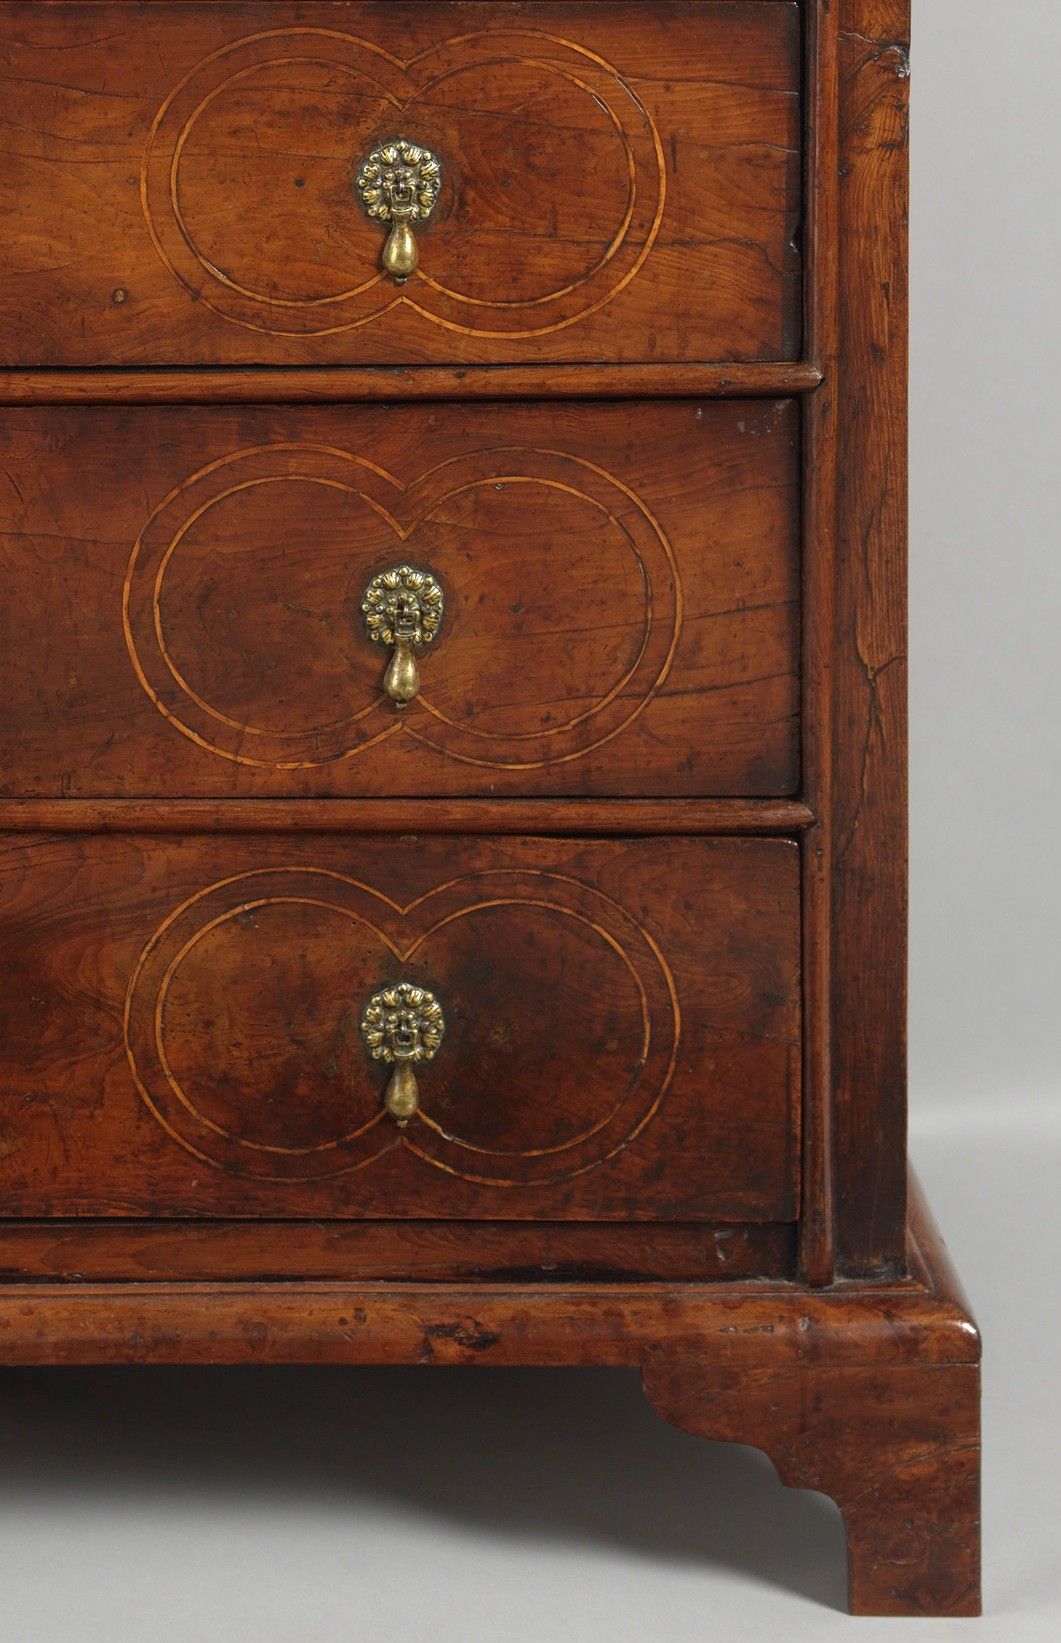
(621, 701)
(398, 87)
(652, 1059)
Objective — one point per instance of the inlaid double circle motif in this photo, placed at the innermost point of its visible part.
(243, 606)
(552, 195)
(242, 1024)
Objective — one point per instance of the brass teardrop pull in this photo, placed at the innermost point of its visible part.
(403, 608)
(399, 183)
(402, 1026)
(401, 253)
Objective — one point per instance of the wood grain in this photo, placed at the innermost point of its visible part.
(621, 585)
(895, 1443)
(193, 1165)
(868, 812)
(279, 816)
(818, 611)
(341, 384)
(920, 1323)
(897, 1448)
(179, 1031)
(488, 1251)
(621, 182)
(741, 1326)
(869, 1393)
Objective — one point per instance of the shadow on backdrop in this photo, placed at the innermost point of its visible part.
(556, 1456)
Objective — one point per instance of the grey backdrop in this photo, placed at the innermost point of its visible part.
(985, 447)
(311, 1506)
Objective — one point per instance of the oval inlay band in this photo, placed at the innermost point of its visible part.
(359, 716)
(262, 298)
(385, 935)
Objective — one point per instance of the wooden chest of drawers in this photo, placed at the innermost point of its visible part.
(451, 754)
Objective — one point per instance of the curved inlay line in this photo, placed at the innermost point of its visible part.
(398, 87)
(248, 729)
(369, 719)
(617, 238)
(374, 278)
(555, 894)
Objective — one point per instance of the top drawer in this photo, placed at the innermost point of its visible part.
(179, 182)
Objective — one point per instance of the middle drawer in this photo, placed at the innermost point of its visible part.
(591, 599)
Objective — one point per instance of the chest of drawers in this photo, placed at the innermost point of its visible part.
(452, 729)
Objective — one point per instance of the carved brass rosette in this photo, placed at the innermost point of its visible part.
(399, 183)
(403, 608)
(402, 1026)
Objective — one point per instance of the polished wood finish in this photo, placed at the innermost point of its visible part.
(894, 1439)
(493, 1251)
(338, 384)
(183, 1027)
(621, 586)
(817, 1229)
(866, 1392)
(896, 1447)
(753, 1245)
(599, 816)
(620, 182)
(867, 815)
(922, 1320)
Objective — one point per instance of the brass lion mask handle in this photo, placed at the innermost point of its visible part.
(403, 608)
(402, 1026)
(398, 184)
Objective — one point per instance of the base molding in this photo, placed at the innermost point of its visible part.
(868, 1393)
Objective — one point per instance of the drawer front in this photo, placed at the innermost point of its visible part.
(187, 183)
(400, 1028)
(196, 601)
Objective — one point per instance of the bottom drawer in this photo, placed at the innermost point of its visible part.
(440, 1028)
